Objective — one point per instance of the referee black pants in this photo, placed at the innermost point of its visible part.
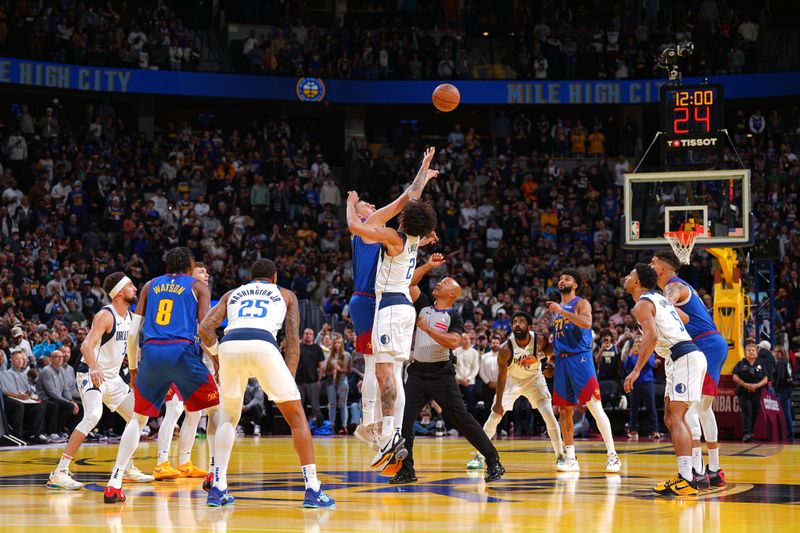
(437, 381)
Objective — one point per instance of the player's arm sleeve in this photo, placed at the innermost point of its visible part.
(137, 320)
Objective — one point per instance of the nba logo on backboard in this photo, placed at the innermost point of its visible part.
(634, 229)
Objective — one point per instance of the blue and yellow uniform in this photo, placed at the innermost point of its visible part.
(169, 353)
(362, 303)
(705, 336)
(575, 380)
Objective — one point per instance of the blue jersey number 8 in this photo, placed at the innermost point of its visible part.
(680, 322)
(253, 309)
(411, 263)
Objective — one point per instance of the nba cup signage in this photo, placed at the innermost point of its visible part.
(310, 89)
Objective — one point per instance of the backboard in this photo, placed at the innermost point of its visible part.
(657, 202)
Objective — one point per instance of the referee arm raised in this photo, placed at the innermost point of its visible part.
(432, 376)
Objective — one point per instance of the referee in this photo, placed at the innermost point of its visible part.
(432, 375)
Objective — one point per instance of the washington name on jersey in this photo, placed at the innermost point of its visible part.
(258, 304)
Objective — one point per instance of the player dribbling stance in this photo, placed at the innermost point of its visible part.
(256, 313)
(684, 365)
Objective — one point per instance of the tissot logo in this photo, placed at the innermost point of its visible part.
(683, 143)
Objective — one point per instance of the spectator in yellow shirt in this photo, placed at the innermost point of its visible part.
(578, 140)
(597, 142)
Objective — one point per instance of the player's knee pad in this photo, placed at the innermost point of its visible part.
(91, 417)
(693, 420)
(708, 421)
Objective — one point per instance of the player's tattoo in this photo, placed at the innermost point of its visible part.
(209, 325)
(292, 331)
(388, 394)
(672, 292)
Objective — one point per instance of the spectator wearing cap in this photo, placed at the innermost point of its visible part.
(502, 321)
(20, 344)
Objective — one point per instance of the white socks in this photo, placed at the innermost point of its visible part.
(220, 478)
(697, 460)
(310, 477)
(369, 391)
(553, 429)
(490, 427)
(172, 413)
(188, 434)
(400, 399)
(127, 446)
(685, 467)
(603, 423)
(64, 462)
(569, 449)
(387, 426)
(713, 459)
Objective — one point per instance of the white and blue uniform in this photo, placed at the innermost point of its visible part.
(525, 376)
(255, 315)
(395, 316)
(684, 363)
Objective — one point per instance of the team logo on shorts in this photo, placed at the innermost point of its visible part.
(385, 339)
(680, 388)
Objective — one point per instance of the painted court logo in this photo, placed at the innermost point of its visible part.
(310, 89)
(680, 388)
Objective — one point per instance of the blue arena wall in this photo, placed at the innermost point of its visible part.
(520, 92)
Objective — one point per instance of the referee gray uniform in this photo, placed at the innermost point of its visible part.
(432, 376)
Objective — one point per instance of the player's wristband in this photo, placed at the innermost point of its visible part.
(213, 349)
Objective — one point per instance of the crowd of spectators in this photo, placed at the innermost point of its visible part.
(84, 194)
(101, 33)
(586, 41)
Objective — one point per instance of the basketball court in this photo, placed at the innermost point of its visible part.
(763, 490)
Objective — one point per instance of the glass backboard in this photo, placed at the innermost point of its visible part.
(718, 201)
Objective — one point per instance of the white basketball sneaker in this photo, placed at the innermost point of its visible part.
(366, 435)
(614, 464)
(567, 464)
(62, 480)
(134, 475)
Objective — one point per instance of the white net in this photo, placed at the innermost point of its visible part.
(682, 243)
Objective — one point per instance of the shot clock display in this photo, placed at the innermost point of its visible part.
(691, 110)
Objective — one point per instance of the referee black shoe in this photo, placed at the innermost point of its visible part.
(403, 477)
(494, 471)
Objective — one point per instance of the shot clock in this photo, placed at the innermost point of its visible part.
(691, 119)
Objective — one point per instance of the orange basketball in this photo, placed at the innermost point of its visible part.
(446, 97)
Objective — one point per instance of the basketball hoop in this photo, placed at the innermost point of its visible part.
(682, 243)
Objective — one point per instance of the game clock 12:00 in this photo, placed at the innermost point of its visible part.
(691, 110)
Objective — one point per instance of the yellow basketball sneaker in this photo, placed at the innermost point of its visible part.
(189, 470)
(677, 486)
(164, 471)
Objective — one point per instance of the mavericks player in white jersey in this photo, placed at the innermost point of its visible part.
(684, 365)
(393, 328)
(520, 374)
(98, 377)
(256, 313)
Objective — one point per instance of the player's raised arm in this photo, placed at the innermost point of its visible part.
(133, 334)
(102, 324)
(209, 324)
(645, 314)
(420, 272)
(386, 236)
(292, 331)
(503, 357)
(414, 191)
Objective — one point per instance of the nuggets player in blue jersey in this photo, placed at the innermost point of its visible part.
(362, 303)
(168, 312)
(575, 380)
(708, 340)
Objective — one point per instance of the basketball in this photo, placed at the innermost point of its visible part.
(446, 97)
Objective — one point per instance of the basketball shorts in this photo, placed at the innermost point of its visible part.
(167, 362)
(173, 392)
(685, 377)
(715, 348)
(533, 388)
(362, 313)
(574, 380)
(113, 391)
(251, 352)
(393, 330)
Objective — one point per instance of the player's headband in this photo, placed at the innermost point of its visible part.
(119, 286)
